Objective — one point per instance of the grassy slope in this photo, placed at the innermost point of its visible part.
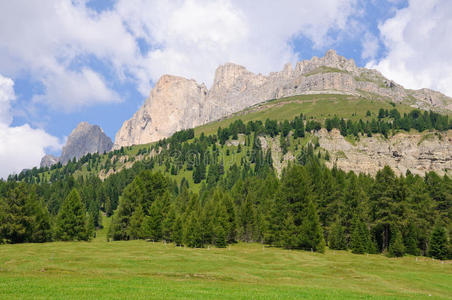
(139, 269)
(318, 107)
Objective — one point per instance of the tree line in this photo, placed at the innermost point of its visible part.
(309, 207)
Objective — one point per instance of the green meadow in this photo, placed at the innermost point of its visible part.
(146, 270)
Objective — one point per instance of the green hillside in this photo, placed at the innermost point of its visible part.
(318, 107)
(315, 107)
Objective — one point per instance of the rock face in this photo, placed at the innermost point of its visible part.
(177, 103)
(419, 152)
(84, 139)
(48, 160)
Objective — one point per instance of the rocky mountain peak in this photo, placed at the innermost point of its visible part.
(85, 138)
(48, 160)
(226, 75)
(176, 103)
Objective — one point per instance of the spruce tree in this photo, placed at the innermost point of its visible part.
(438, 243)
(360, 241)
(23, 218)
(410, 240)
(71, 220)
(177, 232)
(396, 247)
(311, 231)
(135, 229)
(220, 236)
(337, 239)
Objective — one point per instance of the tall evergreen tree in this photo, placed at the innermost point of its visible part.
(71, 222)
(135, 229)
(360, 240)
(337, 238)
(438, 243)
(396, 247)
(311, 231)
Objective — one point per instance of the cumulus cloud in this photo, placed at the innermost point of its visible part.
(192, 38)
(370, 46)
(419, 44)
(45, 38)
(20, 146)
(188, 38)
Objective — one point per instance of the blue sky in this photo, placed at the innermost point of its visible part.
(63, 62)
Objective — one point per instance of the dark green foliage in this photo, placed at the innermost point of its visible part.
(438, 243)
(22, 217)
(360, 241)
(71, 223)
(411, 240)
(337, 239)
(311, 231)
(396, 248)
(245, 200)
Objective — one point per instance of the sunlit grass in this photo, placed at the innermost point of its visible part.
(140, 269)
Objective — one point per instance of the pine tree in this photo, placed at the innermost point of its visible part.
(177, 233)
(396, 247)
(337, 238)
(360, 241)
(311, 231)
(71, 220)
(220, 236)
(438, 243)
(135, 228)
(410, 241)
(289, 233)
(23, 218)
(192, 235)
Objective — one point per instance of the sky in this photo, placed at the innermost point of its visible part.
(63, 61)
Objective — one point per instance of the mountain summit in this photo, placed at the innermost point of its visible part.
(177, 103)
(84, 139)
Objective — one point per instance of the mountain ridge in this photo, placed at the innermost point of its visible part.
(177, 103)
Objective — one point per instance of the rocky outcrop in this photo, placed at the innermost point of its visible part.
(177, 103)
(417, 152)
(84, 139)
(48, 160)
(174, 103)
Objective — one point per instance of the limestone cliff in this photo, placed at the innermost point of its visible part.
(177, 103)
(417, 152)
(84, 139)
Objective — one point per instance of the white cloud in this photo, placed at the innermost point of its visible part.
(419, 44)
(187, 38)
(6, 96)
(193, 37)
(370, 46)
(44, 38)
(20, 146)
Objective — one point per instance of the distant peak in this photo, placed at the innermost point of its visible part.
(331, 53)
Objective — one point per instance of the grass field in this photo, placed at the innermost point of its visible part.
(318, 107)
(146, 270)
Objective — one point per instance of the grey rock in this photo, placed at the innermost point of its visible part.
(48, 160)
(84, 139)
(417, 152)
(177, 103)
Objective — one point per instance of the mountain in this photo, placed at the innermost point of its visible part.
(84, 139)
(48, 160)
(177, 103)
